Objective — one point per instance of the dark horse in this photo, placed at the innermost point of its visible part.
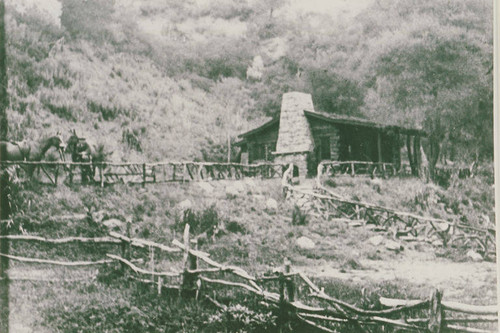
(82, 151)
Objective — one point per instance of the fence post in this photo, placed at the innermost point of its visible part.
(160, 284)
(101, 180)
(126, 247)
(4, 248)
(436, 313)
(143, 174)
(188, 287)
(287, 294)
(56, 174)
(152, 262)
(290, 286)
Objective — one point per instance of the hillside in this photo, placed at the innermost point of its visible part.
(162, 80)
(250, 235)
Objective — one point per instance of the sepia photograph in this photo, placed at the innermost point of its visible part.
(248, 166)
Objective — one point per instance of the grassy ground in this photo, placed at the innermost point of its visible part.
(250, 236)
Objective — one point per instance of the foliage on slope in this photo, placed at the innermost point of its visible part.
(174, 74)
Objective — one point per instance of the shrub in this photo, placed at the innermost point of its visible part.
(218, 152)
(330, 182)
(60, 111)
(199, 222)
(238, 318)
(106, 112)
(131, 139)
(298, 216)
(235, 227)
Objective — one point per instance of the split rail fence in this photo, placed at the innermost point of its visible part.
(403, 225)
(385, 170)
(195, 278)
(142, 173)
(356, 168)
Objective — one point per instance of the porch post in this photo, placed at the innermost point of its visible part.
(379, 146)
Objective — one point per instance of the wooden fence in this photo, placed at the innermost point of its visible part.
(317, 309)
(385, 170)
(142, 173)
(403, 225)
(357, 168)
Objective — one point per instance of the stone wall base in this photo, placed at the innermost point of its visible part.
(298, 159)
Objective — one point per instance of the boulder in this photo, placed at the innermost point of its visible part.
(206, 187)
(99, 216)
(258, 197)
(474, 256)
(376, 240)
(271, 204)
(232, 191)
(114, 224)
(250, 182)
(305, 243)
(184, 205)
(238, 186)
(302, 202)
(393, 246)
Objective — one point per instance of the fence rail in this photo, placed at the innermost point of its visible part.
(142, 173)
(403, 225)
(356, 168)
(325, 314)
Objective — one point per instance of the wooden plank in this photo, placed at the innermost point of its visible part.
(471, 309)
(142, 243)
(468, 329)
(104, 240)
(141, 270)
(54, 262)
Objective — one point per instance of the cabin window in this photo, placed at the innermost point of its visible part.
(270, 148)
(263, 151)
(325, 152)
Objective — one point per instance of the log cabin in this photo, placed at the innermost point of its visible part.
(305, 137)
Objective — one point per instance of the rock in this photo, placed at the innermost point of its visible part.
(99, 216)
(258, 197)
(437, 242)
(184, 205)
(376, 240)
(231, 191)
(393, 246)
(442, 226)
(250, 182)
(301, 202)
(239, 186)
(114, 224)
(486, 219)
(271, 204)
(474, 256)
(305, 243)
(206, 187)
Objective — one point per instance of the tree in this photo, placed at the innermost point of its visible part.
(431, 72)
(4, 180)
(88, 18)
(4, 99)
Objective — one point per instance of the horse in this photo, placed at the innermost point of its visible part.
(30, 151)
(82, 151)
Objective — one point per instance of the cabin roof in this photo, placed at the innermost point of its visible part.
(260, 128)
(355, 121)
(336, 119)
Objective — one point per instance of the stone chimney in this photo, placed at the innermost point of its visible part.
(295, 139)
(294, 134)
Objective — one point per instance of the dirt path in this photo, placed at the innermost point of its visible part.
(467, 280)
